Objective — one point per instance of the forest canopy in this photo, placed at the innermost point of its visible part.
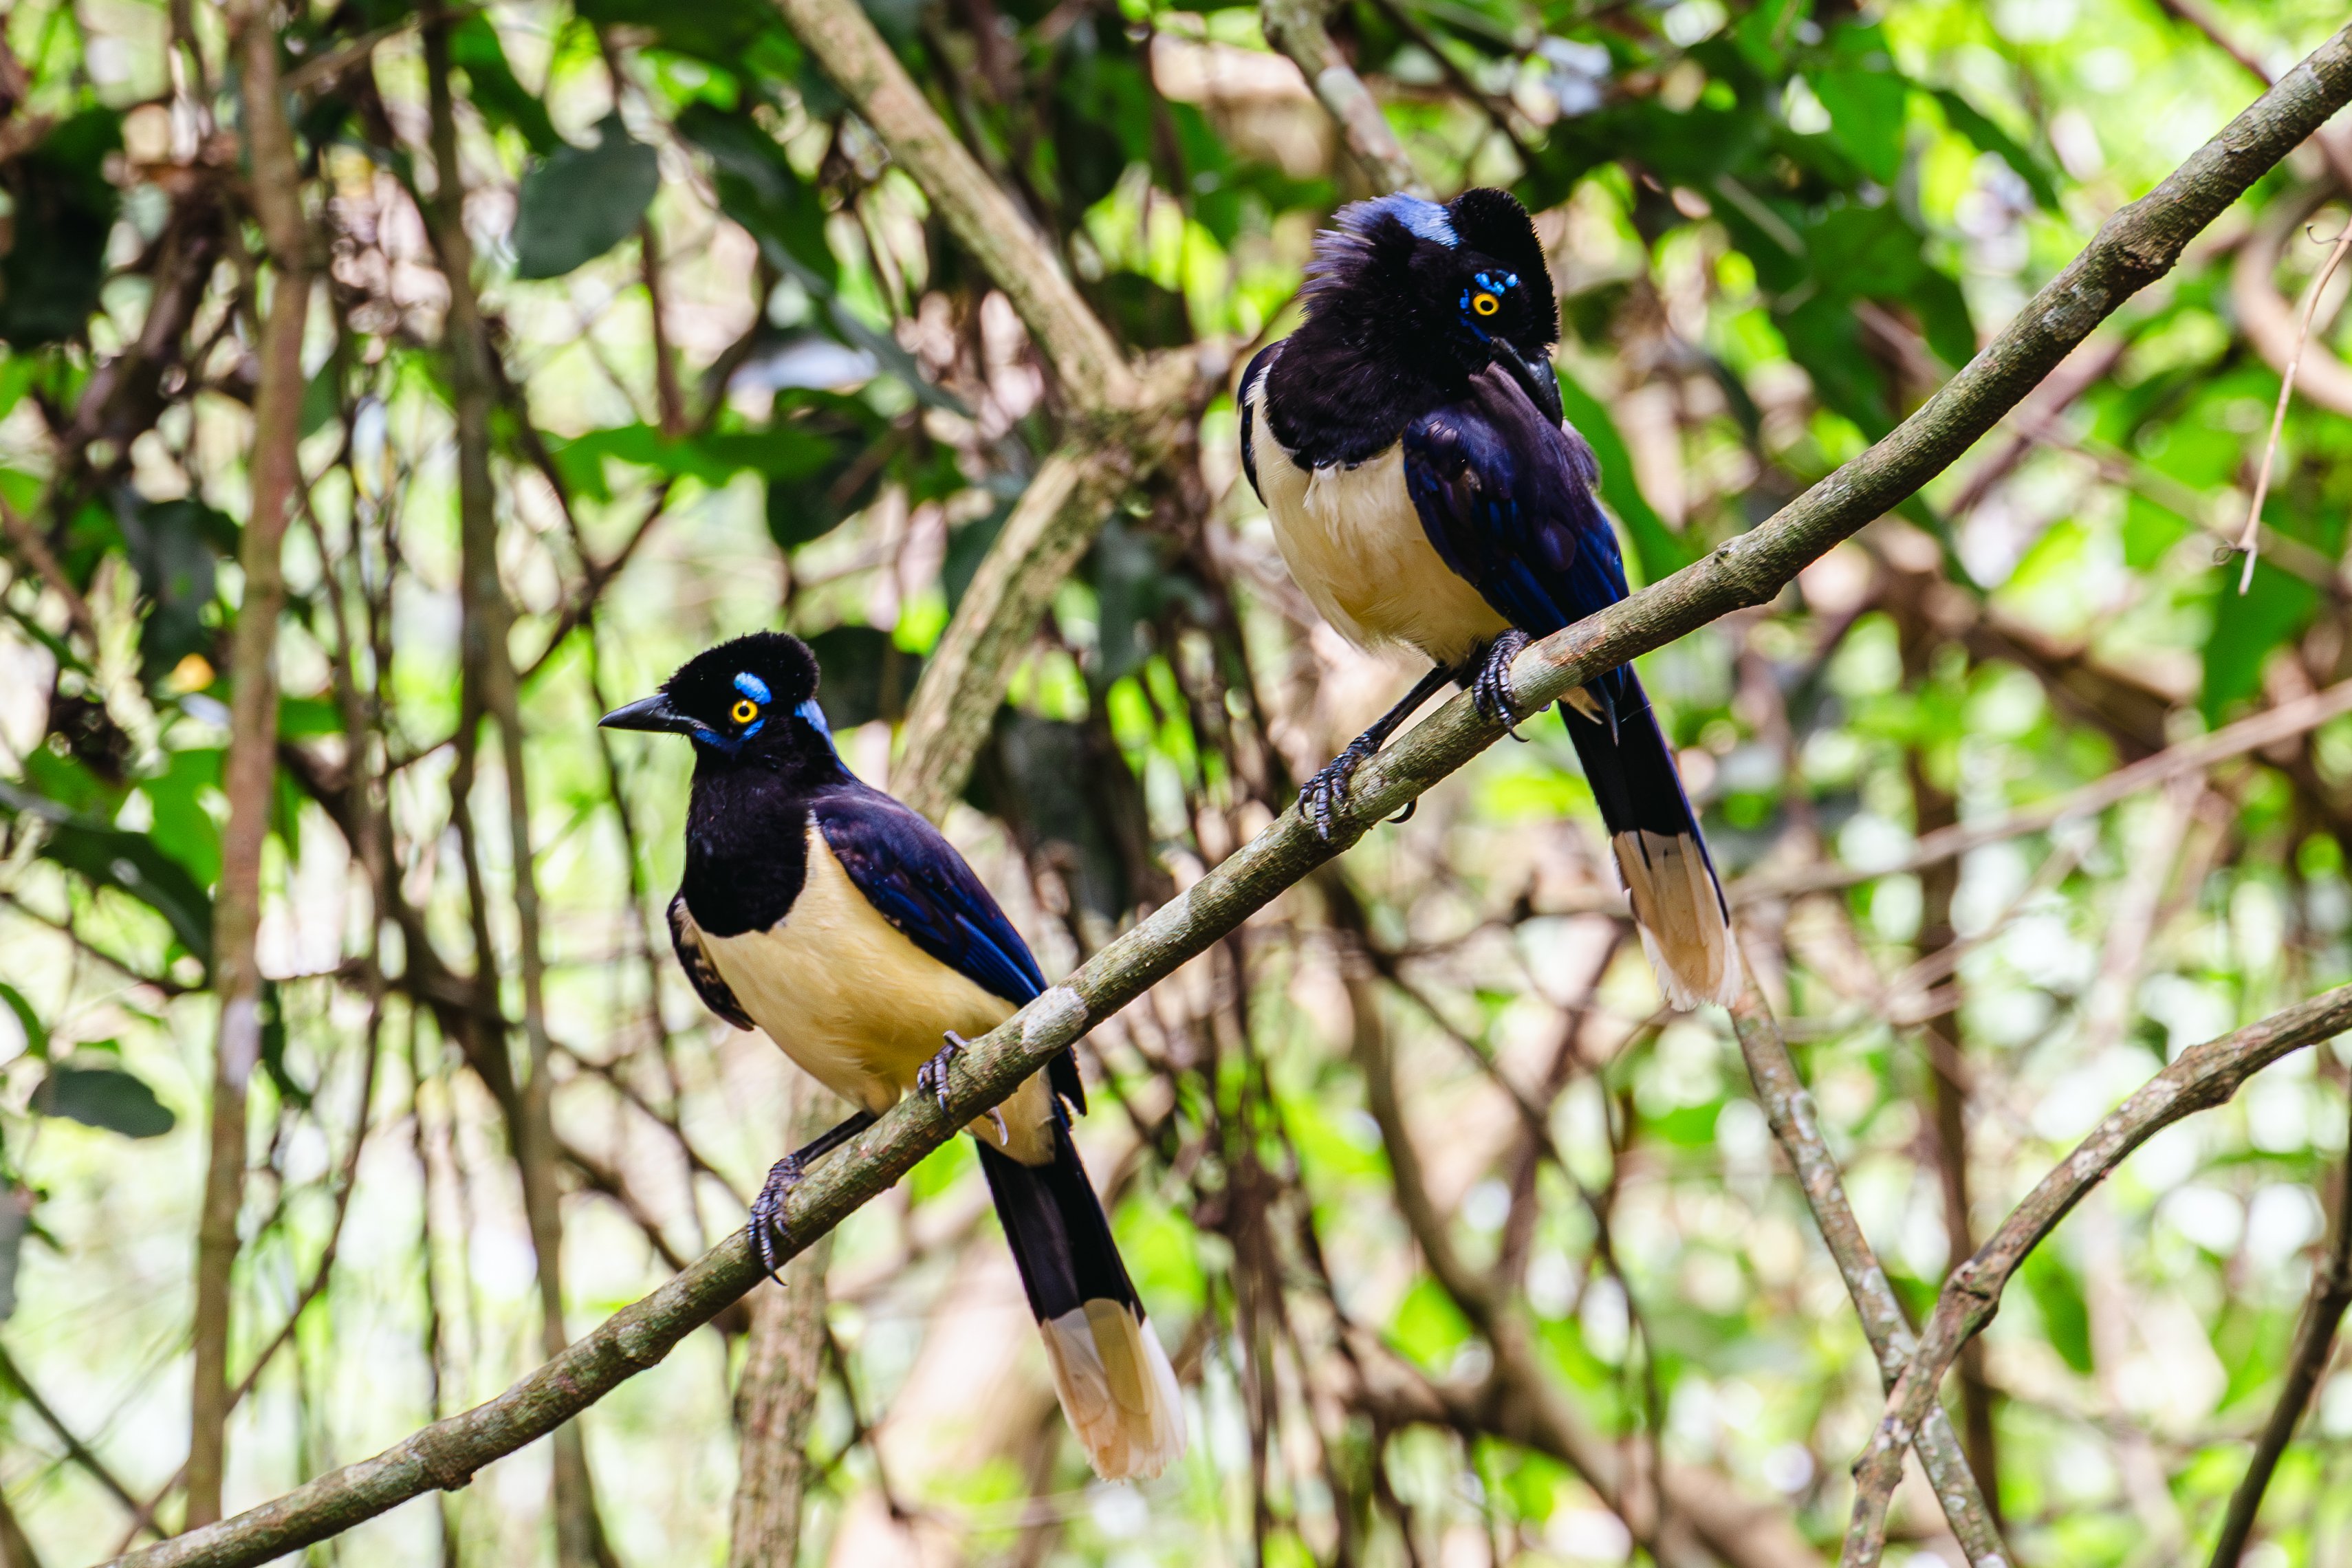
(386, 393)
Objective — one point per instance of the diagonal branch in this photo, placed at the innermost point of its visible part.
(1127, 420)
(2135, 246)
(978, 212)
(1048, 534)
(2200, 1077)
(1789, 1108)
(1297, 28)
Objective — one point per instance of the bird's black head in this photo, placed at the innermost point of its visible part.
(1445, 287)
(752, 701)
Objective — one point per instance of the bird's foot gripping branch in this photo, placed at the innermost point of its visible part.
(2139, 243)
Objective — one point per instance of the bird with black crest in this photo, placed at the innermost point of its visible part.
(828, 915)
(1427, 493)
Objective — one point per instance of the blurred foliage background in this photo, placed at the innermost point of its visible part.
(739, 376)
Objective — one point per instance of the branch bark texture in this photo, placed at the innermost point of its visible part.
(1789, 1106)
(251, 768)
(2136, 245)
(1297, 28)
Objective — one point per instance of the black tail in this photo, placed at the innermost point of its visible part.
(1661, 857)
(1114, 1379)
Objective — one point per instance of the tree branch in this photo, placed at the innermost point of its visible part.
(1296, 28)
(2135, 246)
(978, 212)
(2202, 1076)
(1797, 1124)
(250, 770)
(2315, 1336)
(1050, 530)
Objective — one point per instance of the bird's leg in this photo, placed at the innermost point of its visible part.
(1490, 688)
(768, 1208)
(1323, 794)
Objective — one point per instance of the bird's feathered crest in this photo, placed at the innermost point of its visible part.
(1370, 237)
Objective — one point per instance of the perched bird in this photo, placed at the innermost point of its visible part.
(1426, 491)
(839, 921)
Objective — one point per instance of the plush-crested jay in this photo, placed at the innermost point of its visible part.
(1426, 491)
(830, 916)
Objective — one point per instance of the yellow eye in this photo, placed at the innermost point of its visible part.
(745, 711)
(1484, 304)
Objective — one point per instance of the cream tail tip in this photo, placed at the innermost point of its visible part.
(1679, 911)
(1116, 1389)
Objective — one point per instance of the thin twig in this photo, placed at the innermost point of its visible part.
(2248, 541)
(2250, 734)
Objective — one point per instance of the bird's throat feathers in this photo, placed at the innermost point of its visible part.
(746, 850)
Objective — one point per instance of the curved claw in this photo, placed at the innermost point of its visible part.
(768, 1211)
(931, 1077)
(1490, 688)
(1322, 796)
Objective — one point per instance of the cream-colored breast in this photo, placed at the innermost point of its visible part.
(1355, 545)
(844, 994)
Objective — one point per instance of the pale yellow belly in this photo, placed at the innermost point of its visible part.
(858, 1005)
(1356, 547)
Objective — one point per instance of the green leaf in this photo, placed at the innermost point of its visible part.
(16, 1219)
(475, 49)
(63, 211)
(784, 451)
(1965, 118)
(175, 546)
(1660, 552)
(36, 1033)
(104, 1097)
(131, 862)
(1866, 116)
(2246, 628)
(176, 799)
(2066, 1316)
(581, 202)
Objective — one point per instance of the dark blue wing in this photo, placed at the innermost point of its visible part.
(921, 886)
(1506, 497)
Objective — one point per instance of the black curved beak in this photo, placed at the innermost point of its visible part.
(650, 714)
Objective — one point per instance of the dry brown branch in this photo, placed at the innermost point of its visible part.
(1296, 28)
(1521, 1399)
(2250, 734)
(2314, 1339)
(1788, 1107)
(249, 772)
(2199, 1078)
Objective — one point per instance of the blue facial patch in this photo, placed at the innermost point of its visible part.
(815, 717)
(752, 687)
(1426, 220)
